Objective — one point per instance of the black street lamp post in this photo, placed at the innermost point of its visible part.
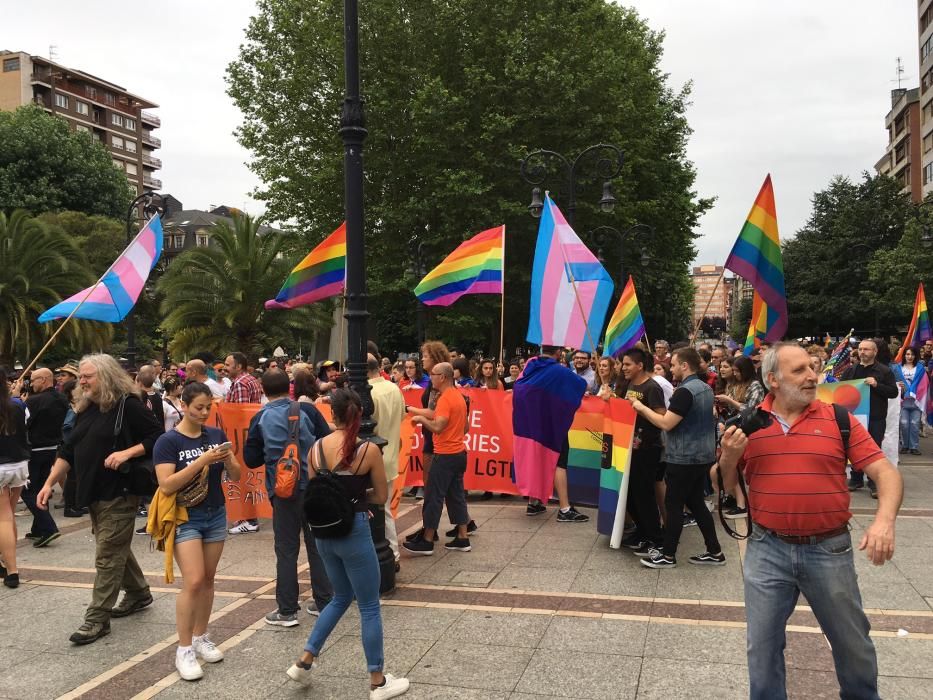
(416, 268)
(152, 203)
(600, 238)
(608, 165)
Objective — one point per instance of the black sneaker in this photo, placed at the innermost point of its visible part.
(141, 530)
(419, 534)
(728, 502)
(31, 536)
(44, 540)
(853, 484)
(459, 544)
(689, 520)
(420, 547)
(11, 580)
(872, 491)
(75, 512)
(735, 513)
(90, 632)
(572, 516)
(487, 495)
(708, 559)
(143, 512)
(659, 561)
(535, 509)
(471, 528)
(632, 542)
(646, 550)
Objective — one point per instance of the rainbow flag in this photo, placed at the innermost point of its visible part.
(756, 256)
(763, 318)
(626, 327)
(852, 394)
(475, 267)
(115, 293)
(319, 276)
(919, 330)
(570, 290)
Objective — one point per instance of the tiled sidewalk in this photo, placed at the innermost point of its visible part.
(537, 609)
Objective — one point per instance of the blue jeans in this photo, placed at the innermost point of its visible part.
(353, 569)
(776, 573)
(910, 427)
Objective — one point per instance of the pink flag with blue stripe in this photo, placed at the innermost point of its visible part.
(570, 290)
(115, 294)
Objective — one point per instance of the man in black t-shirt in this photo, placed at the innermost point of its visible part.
(646, 454)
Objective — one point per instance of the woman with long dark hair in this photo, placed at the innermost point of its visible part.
(908, 375)
(14, 472)
(487, 377)
(415, 379)
(351, 561)
(745, 391)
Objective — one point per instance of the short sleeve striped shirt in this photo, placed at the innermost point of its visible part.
(797, 480)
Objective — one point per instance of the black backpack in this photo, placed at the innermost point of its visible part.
(329, 509)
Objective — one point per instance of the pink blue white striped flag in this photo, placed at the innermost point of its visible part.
(117, 291)
(570, 290)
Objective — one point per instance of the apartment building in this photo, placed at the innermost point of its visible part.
(102, 110)
(902, 158)
(925, 45)
(709, 289)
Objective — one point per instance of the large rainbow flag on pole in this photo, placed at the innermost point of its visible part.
(756, 256)
(626, 327)
(763, 318)
(475, 267)
(320, 275)
(570, 290)
(919, 330)
(116, 292)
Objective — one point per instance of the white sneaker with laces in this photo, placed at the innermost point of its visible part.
(241, 527)
(300, 674)
(393, 687)
(206, 649)
(187, 665)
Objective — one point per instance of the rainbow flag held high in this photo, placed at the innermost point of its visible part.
(763, 318)
(626, 327)
(320, 275)
(115, 293)
(570, 290)
(919, 330)
(756, 256)
(475, 267)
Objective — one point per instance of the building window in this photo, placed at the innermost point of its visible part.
(928, 173)
(130, 145)
(82, 129)
(116, 119)
(90, 92)
(116, 142)
(10, 64)
(118, 163)
(202, 240)
(179, 240)
(111, 99)
(81, 107)
(131, 168)
(130, 124)
(61, 101)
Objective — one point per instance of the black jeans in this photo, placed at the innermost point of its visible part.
(40, 466)
(685, 484)
(288, 524)
(446, 485)
(641, 499)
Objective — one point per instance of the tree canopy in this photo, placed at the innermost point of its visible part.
(455, 98)
(45, 166)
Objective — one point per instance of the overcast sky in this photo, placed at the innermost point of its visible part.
(796, 88)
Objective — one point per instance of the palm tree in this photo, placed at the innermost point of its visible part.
(40, 266)
(214, 296)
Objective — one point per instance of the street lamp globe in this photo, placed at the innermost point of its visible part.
(537, 205)
(608, 202)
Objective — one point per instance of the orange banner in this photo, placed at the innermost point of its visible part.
(246, 498)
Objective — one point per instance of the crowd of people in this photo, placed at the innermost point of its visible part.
(93, 427)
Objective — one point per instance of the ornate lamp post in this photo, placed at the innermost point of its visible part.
(600, 237)
(416, 268)
(152, 203)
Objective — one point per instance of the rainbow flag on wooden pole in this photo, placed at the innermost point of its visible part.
(626, 327)
(475, 267)
(919, 330)
(320, 275)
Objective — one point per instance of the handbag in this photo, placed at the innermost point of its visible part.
(195, 492)
(139, 472)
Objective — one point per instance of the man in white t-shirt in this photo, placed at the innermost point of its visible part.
(196, 371)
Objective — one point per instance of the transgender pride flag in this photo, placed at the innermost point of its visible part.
(115, 294)
(570, 290)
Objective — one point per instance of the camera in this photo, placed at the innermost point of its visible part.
(749, 420)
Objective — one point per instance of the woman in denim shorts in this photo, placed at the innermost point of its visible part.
(179, 457)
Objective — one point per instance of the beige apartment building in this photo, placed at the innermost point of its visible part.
(925, 44)
(707, 284)
(902, 157)
(102, 110)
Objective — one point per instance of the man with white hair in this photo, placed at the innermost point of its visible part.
(798, 503)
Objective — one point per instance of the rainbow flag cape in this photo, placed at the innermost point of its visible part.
(919, 330)
(570, 290)
(116, 292)
(763, 318)
(756, 256)
(626, 327)
(320, 275)
(475, 267)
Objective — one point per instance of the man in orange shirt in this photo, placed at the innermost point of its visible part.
(448, 425)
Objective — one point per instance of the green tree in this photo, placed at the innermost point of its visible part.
(214, 297)
(741, 317)
(456, 95)
(826, 265)
(40, 266)
(45, 166)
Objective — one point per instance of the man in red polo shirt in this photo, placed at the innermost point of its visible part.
(798, 503)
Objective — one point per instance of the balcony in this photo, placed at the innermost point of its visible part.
(41, 79)
(151, 182)
(150, 118)
(148, 138)
(152, 161)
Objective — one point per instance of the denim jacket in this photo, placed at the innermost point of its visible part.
(693, 440)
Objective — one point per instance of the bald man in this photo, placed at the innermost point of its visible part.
(46, 411)
(197, 372)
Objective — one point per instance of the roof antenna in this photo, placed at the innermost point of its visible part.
(52, 55)
(900, 73)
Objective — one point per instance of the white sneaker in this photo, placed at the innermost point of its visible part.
(393, 688)
(241, 527)
(187, 665)
(299, 674)
(206, 649)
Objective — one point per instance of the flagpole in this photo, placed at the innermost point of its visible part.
(586, 326)
(709, 301)
(340, 357)
(501, 352)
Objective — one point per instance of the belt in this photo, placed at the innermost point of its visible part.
(807, 539)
